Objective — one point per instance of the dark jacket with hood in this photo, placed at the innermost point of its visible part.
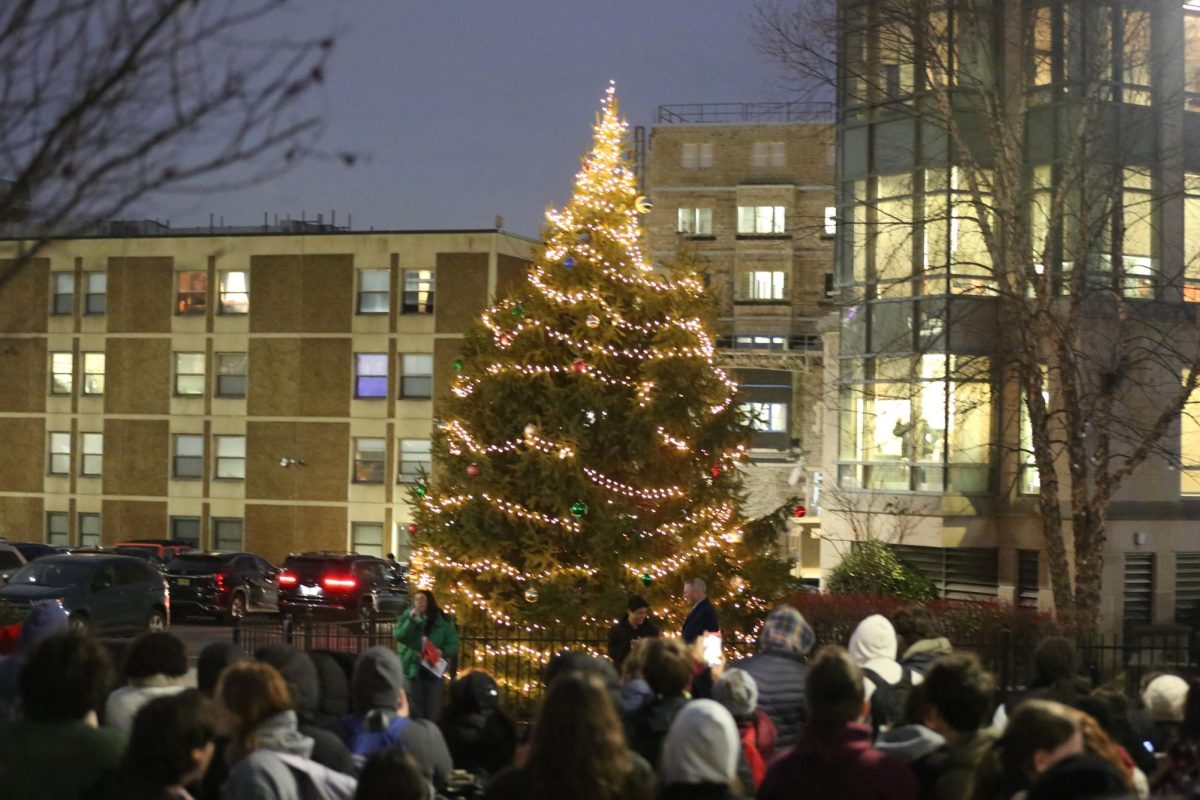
(959, 763)
(298, 669)
(482, 738)
(837, 762)
(44, 619)
(779, 672)
(923, 750)
(647, 728)
(922, 654)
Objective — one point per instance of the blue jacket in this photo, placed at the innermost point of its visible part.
(700, 620)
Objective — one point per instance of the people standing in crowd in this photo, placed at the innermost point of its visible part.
(1081, 777)
(702, 615)
(634, 624)
(482, 738)
(1127, 724)
(1165, 697)
(833, 758)
(923, 750)
(171, 744)
(1098, 743)
(426, 640)
(56, 748)
(668, 672)
(636, 694)
(578, 750)
(958, 696)
(297, 668)
(156, 665)
(212, 661)
(44, 619)
(779, 672)
(885, 682)
(392, 774)
(700, 755)
(268, 756)
(919, 639)
(738, 693)
(1056, 667)
(1039, 734)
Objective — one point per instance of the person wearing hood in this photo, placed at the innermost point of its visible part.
(212, 661)
(833, 756)
(44, 619)
(873, 648)
(779, 672)
(481, 737)
(919, 639)
(737, 692)
(668, 671)
(700, 754)
(156, 665)
(298, 670)
(269, 757)
(911, 742)
(379, 717)
(958, 693)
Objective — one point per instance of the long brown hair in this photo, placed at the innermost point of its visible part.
(1007, 767)
(1098, 743)
(251, 691)
(579, 749)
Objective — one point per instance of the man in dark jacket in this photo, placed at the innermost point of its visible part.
(668, 671)
(632, 625)
(703, 616)
(958, 694)
(779, 672)
(833, 756)
(919, 639)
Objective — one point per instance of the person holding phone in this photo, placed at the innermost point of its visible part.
(426, 640)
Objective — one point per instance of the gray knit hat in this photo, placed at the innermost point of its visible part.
(737, 691)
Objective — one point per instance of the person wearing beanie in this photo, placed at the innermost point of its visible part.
(298, 670)
(634, 624)
(779, 673)
(738, 693)
(379, 717)
(1165, 698)
(700, 754)
(481, 737)
(873, 647)
(44, 619)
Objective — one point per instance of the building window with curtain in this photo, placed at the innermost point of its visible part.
(374, 291)
(234, 292)
(370, 376)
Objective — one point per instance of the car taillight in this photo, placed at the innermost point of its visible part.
(288, 579)
(219, 579)
(339, 583)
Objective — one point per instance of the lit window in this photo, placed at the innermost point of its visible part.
(231, 374)
(695, 221)
(830, 221)
(227, 535)
(762, 285)
(62, 373)
(188, 461)
(760, 219)
(696, 155)
(767, 154)
(760, 343)
(96, 297)
(189, 374)
(64, 293)
(93, 373)
(191, 293)
(1191, 46)
(60, 454)
(1189, 445)
(58, 528)
(366, 538)
(370, 375)
(416, 375)
(767, 417)
(231, 457)
(374, 291)
(92, 464)
(89, 530)
(414, 459)
(1138, 264)
(235, 293)
(186, 529)
(369, 458)
(418, 291)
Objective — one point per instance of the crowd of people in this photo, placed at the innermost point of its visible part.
(895, 714)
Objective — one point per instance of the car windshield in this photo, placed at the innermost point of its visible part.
(52, 573)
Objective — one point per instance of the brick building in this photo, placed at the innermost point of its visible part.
(266, 390)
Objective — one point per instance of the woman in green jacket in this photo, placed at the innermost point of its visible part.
(422, 623)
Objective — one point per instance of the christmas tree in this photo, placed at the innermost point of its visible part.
(589, 448)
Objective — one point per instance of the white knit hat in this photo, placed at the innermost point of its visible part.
(1165, 698)
(702, 745)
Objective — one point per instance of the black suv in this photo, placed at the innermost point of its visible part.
(222, 585)
(340, 582)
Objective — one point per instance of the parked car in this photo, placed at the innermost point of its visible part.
(144, 553)
(222, 585)
(346, 583)
(32, 550)
(163, 549)
(11, 560)
(107, 593)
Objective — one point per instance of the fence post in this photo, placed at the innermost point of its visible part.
(237, 630)
(287, 628)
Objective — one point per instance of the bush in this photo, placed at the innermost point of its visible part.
(871, 568)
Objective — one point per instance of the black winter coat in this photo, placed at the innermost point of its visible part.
(647, 729)
(780, 677)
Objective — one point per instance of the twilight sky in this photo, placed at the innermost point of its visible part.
(471, 108)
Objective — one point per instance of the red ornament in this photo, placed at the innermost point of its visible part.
(799, 511)
(578, 365)
(472, 470)
(412, 528)
(716, 470)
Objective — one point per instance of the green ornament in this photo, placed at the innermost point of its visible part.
(578, 508)
(422, 489)
(458, 364)
(647, 579)
(518, 310)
